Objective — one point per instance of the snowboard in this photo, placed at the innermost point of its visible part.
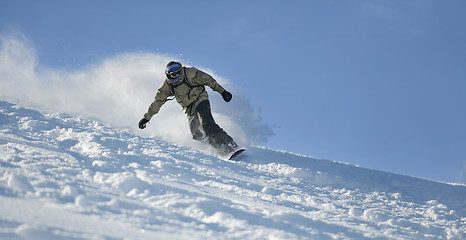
(234, 156)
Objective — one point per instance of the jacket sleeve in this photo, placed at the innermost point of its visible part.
(205, 79)
(163, 92)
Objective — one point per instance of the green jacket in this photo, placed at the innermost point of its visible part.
(189, 90)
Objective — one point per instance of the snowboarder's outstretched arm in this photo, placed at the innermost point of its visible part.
(161, 97)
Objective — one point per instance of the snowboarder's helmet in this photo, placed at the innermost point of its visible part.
(173, 71)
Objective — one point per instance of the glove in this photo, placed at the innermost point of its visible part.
(142, 123)
(226, 96)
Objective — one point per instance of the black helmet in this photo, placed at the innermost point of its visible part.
(173, 71)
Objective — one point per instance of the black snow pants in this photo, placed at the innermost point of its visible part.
(203, 128)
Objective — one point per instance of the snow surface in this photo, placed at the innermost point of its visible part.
(69, 177)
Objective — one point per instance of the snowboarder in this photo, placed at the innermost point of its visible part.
(187, 84)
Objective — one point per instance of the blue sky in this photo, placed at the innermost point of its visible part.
(381, 84)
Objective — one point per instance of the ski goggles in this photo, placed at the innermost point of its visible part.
(175, 73)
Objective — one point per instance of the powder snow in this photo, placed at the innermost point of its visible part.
(71, 177)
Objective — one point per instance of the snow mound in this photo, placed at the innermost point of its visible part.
(68, 177)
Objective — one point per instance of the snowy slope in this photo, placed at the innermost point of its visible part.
(65, 177)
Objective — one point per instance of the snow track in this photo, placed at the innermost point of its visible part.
(65, 177)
